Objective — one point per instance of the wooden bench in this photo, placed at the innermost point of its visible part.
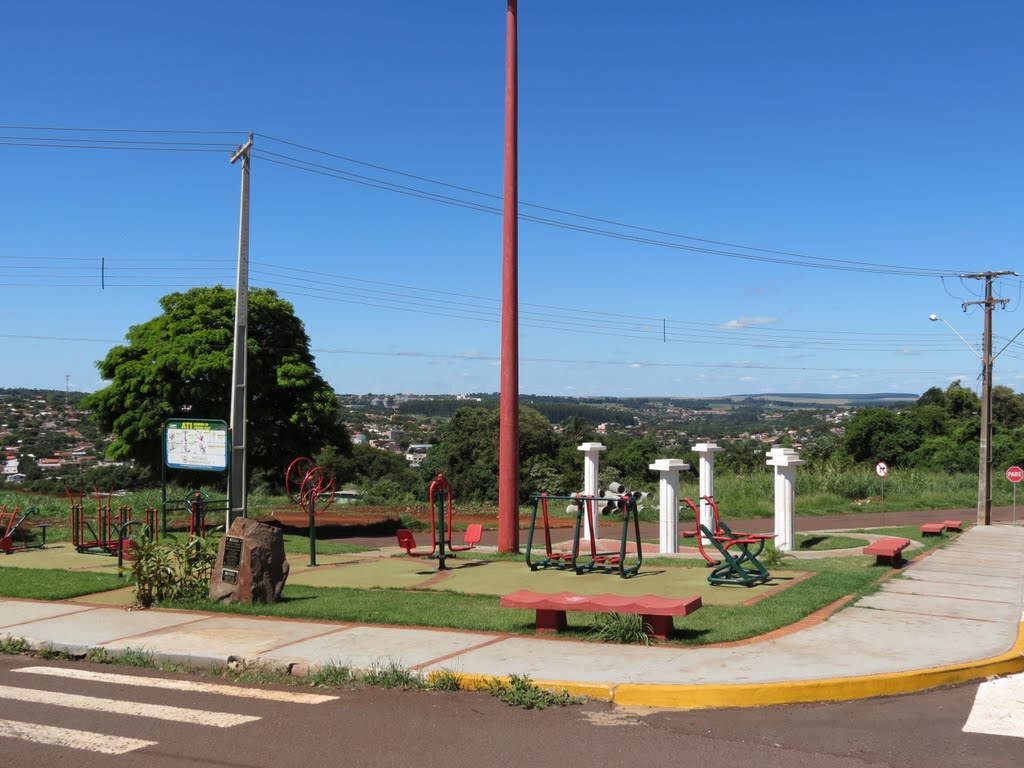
(655, 612)
(887, 551)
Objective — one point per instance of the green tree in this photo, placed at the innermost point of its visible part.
(180, 362)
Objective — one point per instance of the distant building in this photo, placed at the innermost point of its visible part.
(415, 453)
(360, 439)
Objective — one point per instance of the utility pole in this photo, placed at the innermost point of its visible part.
(239, 366)
(508, 405)
(985, 441)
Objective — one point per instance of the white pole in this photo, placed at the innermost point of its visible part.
(668, 503)
(785, 461)
(591, 470)
(706, 452)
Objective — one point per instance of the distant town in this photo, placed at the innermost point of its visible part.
(44, 433)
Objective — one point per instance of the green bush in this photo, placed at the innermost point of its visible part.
(171, 570)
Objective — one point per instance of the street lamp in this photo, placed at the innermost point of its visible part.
(985, 440)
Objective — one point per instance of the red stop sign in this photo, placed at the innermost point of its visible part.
(1015, 474)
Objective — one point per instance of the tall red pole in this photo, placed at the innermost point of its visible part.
(508, 448)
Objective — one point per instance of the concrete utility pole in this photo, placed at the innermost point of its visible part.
(985, 442)
(239, 379)
(508, 405)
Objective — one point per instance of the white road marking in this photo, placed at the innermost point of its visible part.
(294, 697)
(66, 737)
(137, 709)
(998, 708)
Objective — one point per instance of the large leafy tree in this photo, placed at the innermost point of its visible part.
(179, 364)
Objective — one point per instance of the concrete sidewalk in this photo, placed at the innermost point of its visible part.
(954, 615)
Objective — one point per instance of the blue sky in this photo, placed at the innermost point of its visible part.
(877, 136)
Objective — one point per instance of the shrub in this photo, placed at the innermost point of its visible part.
(171, 570)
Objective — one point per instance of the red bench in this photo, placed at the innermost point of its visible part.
(936, 529)
(656, 612)
(887, 551)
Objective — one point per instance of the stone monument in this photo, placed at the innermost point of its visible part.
(251, 565)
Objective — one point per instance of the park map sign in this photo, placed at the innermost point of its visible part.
(196, 444)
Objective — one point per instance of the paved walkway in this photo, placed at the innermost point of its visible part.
(953, 615)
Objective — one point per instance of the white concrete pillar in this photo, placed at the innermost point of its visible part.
(707, 452)
(668, 502)
(785, 461)
(591, 469)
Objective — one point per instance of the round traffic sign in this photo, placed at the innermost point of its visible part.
(881, 469)
(1015, 474)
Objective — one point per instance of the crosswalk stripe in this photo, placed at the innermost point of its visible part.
(294, 697)
(138, 709)
(998, 708)
(67, 737)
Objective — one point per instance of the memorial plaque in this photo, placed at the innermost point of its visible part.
(232, 552)
(228, 576)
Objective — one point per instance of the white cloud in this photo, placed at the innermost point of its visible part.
(747, 322)
(636, 365)
(747, 378)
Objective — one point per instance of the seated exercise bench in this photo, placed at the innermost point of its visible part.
(656, 612)
(887, 551)
(740, 566)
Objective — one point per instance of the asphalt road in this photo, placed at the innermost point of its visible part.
(376, 728)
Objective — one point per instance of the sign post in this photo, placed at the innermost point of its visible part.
(1015, 474)
(882, 469)
(194, 444)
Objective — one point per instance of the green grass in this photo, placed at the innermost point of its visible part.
(47, 584)
(299, 544)
(823, 542)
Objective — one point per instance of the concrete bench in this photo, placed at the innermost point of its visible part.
(953, 525)
(887, 551)
(933, 529)
(655, 612)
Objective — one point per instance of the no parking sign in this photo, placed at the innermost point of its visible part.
(881, 469)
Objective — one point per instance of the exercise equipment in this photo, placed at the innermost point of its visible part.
(441, 506)
(312, 488)
(107, 537)
(720, 530)
(10, 525)
(740, 566)
(608, 561)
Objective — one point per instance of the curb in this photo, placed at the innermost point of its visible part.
(713, 696)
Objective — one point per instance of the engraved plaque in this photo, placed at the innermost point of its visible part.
(228, 576)
(232, 552)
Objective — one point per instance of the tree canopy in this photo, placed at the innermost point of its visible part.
(179, 363)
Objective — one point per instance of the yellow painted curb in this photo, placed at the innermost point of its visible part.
(767, 694)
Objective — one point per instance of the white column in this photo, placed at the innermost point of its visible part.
(707, 452)
(668, 502)
(785, 461)
(591, 469)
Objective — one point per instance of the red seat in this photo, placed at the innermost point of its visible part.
(408, 542)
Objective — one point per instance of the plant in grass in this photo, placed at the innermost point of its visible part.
(171, 570)
(13, 646)
(445, 680)
(520, 691)
(331, 676)
(50, 653)
(136, 657)
(392, 675)
(772, 557)
(621, 628)
(98, 656)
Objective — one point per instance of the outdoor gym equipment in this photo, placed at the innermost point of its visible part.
(197, 505)
(108, 536)
(720, 530)
(739, 567)
(312, 488)
(611, 561)
(10, 523)
(441, 506)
